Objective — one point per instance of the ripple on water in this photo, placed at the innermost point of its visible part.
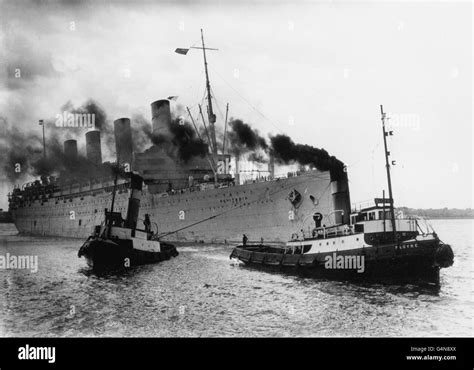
(203, 293)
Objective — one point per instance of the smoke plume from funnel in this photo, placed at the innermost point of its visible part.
(176, 135)
(286, 151)
(243, 138)
(141, 132)
(94, 115)
(21, 151)
(185, 139)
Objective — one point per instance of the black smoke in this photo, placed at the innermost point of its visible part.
(141, 132)
(182, 142)
(23, 158)
(286, 151)
(17, 150)
(93, 107)
(101, 122)
(21, 151)
(243, 139)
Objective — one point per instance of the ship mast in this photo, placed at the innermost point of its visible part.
(210, 113)
(389, 180)
(225, 127)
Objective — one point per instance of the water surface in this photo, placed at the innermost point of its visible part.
(203, 293)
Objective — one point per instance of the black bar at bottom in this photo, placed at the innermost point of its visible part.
(317, 353)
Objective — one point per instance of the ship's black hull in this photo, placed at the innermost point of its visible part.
(382, 264)
(101, 254)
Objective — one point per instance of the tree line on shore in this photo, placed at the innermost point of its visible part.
(438, 212)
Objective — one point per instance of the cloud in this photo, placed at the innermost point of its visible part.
(25, 62)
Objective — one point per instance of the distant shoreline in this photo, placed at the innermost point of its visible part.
(451, 218)
(438, 213)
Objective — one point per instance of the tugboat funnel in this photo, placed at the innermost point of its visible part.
(136, 183)
(341, 201)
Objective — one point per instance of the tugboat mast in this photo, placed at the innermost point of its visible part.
(389, 180)
(113, 193)
(109, 223)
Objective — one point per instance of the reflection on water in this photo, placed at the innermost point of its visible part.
(203, 293)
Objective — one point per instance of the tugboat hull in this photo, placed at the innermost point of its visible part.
(108, 254)
(407, 262)
(118, 244)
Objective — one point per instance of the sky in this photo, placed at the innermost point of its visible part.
(317, 71)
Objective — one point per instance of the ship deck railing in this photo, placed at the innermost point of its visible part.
(327, 232)
(36, 190)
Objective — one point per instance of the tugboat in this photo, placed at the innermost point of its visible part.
(373, 246)
(118, 243)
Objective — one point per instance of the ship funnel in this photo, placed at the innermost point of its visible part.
(341, 200)
(70, 149)
(93, 150)
(136, 183)
(123, 141)
(161, 117)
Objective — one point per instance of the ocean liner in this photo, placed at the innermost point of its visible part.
(200, 199)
